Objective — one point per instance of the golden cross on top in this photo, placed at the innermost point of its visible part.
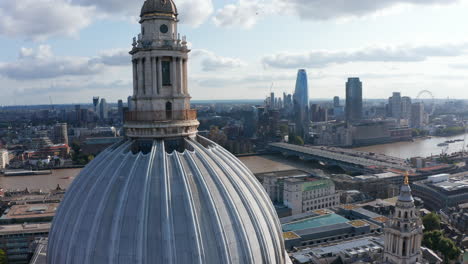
(407, 178)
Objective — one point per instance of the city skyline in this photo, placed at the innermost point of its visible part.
(70, 62)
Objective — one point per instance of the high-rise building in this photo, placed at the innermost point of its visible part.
(336, 101)
(164, 194)
(404, 232)
(95, 104)
(272, 101)
(61, 133)
(103, 110)
(301, 104)
(406, 108)
(78, 116)
(120, 110)
(417, 115)
(394, 105)
(4, 158)
(130, 103)
(353, 100)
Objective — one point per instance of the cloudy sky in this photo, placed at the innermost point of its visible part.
(70, 50)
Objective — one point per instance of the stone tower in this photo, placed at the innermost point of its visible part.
(404, 231)
(160, 101)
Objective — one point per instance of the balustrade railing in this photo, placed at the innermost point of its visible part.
(161, 115)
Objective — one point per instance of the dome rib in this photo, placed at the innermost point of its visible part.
(214, 224)
(265, 202)
(79, 215)
(98, 227)
(190, 210)
(228, 200)
(115, 226)
(76, 190)
(247, 196)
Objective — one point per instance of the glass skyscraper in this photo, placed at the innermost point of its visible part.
(301, 104)
(353, 100)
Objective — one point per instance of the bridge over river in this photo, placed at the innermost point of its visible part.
(348, 159)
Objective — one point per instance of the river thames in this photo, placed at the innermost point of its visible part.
(62, 177)
(422, 147)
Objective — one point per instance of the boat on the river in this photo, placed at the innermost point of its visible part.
(443, 144)
(11, 173)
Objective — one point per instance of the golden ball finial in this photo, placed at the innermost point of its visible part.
(407, 178)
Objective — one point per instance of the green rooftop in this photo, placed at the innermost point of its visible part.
(317, 184)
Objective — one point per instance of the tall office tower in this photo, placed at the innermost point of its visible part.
(301, 104)
(394, 105)
(78, 116)
(120, 110)
(285, 100)
(103, 110)
(403, 233)
(406, 108)
(272, 100)
(164, 194)
(353, 100)
(336, 101)
(417, 115)
(130, 103)
(95, 104)
(60, 133)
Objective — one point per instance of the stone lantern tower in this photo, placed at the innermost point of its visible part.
(404, 232)
(161, 102)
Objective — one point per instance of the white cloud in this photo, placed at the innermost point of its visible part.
(330, 9)
(192, 12)
(43, 64)
(244, 13)
(247, 12)
(41, 19)
(323, 58)
(213, 62)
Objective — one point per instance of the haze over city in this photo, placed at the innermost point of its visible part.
(239, 48)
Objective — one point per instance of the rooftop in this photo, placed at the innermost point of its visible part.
(24, 228)
(314, 222)
(30, 211)
(349, 248)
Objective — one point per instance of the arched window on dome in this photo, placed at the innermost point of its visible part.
(406, 215)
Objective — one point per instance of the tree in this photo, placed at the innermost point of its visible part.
(431, 222)
(296, 140)
(436, 241)
(3, 258)
(284, 130)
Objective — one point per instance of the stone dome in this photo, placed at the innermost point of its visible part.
(152, 202)
(158, 6)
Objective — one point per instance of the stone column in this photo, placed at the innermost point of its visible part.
(148, 76)
(180, 74)
(159, 70)
(184, 77)
(154, 76)
(135, 77)
(140, 76)
(173, 76)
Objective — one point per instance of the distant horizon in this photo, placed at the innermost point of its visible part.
(195, 101)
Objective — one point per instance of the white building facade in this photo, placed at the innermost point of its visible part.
(4, 158)
(302, 195)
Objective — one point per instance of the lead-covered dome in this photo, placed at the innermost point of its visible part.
(138, 203)
(159, 6)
